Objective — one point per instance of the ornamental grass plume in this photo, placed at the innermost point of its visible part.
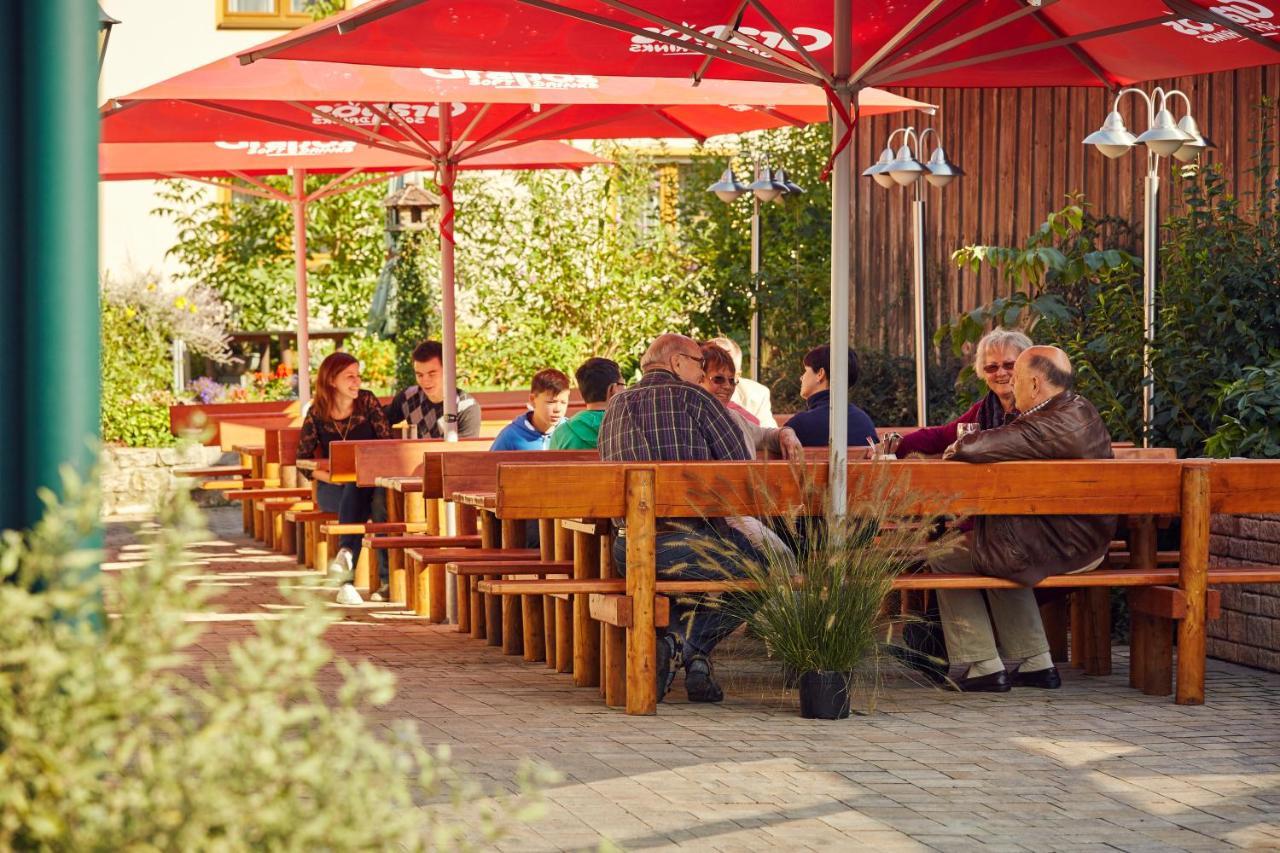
(820, 605)
(108, 741)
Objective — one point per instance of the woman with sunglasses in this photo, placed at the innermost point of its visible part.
(993, 361)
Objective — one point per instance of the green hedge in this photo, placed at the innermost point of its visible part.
(135, 379)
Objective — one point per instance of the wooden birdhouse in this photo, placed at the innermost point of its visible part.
(411, 209)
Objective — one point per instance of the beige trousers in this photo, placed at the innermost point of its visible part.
(984, 624)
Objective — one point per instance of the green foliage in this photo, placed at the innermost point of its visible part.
(1248, 415)
(794, 286)
(377, 363)
(561, 266)
(110, 742)
(135, 375)
(244, 251)
(1069, 289)
(417, 275)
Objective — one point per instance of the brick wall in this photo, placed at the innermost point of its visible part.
(1248, 631)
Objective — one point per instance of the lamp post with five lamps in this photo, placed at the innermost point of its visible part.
(904, 168)
(1163, 138)
(767, 186)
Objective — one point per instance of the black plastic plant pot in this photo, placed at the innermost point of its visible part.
(824, 695)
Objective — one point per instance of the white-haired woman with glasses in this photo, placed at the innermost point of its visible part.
(993, 361)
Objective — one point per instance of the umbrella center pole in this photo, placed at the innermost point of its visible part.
(299, 202)
(445, 173)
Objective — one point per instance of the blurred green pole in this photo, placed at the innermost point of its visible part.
(49, 315)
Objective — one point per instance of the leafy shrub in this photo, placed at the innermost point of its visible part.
(140, 320)
(108, 745)
(378, 360)
(416, 273)
(1248, 415)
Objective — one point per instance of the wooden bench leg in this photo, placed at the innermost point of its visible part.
(586, 637)
(549, 640)
(534, 639)
(397, 577)
(366, 578)
(511, 636)
(614, 661)
(436, 592)
(321, 562)
(421, 588)
(1097, 632)
(463, 584)
(1056, 616)
(1146, 670)
(288, 536)
(259, 522)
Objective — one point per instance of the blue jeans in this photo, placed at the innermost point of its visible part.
(697, 623)
(355, 505)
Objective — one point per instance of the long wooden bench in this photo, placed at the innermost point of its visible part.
(1144, 488)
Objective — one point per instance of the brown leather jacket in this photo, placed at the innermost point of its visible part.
(1029, 548)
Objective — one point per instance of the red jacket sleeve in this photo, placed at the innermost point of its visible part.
(933, 440)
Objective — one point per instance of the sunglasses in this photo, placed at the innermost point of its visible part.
(724, 380)
(992, 368)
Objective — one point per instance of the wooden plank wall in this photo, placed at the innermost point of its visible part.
(1022, 153)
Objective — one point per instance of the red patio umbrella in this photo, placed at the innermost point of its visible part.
(452, 116)
(826, 43)
(351, 163)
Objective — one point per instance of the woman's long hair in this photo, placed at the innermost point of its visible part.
(322, 400)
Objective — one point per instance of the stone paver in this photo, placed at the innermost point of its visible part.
(1093, 766)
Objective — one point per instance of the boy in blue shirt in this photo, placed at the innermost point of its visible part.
(548, 402)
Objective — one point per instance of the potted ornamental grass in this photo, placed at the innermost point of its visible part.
(819, 603)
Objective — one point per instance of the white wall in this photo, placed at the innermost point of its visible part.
(156, 39)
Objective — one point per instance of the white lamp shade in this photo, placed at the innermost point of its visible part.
(1164, 137)
(1113, 139)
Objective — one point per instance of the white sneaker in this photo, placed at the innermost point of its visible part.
(383, 593)
(340, 568)
(349, 596)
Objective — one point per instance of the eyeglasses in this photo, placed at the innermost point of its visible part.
(702, 362)
(992, 368)
(731, 381)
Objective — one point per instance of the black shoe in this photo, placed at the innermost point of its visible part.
(996, 682)
(1045, 679)
(665, 671)
(699, 683)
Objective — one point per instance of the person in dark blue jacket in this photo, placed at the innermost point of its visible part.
(548, 402)
(813, 426)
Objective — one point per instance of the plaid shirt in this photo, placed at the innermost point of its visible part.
(367, 421)
(663, 418)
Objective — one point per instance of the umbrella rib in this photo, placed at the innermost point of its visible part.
(942, 21)
(320, 192)
(369, 135)
(652, 18)
(963, 38)
(326, 192)
(1079, 53)
(518, 124)
(293, 125)
(781, 116)
(475, 120)
(736, 18)
(489, 146)
(896, 40)
(746, 58)
(790, 37)
(270, 193)
(404, 127)
(266, 188)
(661, 113)
(888, 78)
(1196, 13)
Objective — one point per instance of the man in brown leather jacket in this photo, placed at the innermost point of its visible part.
(1055, 423)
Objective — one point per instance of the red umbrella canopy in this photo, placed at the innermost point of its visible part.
(400, 107)
(133, 161)
(921, 43)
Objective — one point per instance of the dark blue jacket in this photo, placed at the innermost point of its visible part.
(813, 427)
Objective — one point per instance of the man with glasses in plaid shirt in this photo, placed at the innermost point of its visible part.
(667, 416)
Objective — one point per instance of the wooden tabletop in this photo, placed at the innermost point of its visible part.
(400, 484)
(479, 500)
(250, 449)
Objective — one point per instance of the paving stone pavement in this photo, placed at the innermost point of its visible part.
(1093, 766)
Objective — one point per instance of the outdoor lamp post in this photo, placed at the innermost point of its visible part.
(904, 168)
(767, 186)
(105, 23)
(1163, 138)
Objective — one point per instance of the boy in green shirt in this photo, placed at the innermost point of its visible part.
(598, 380)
